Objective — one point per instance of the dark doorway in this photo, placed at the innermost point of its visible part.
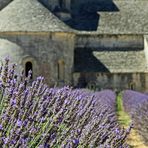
(28, 67)
(132, 86)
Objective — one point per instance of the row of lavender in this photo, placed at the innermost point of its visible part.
(38, 116)
(136, 104)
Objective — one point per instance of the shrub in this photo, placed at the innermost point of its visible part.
(38, 116)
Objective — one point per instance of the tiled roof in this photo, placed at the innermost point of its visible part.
(29, 15)
(131, 18)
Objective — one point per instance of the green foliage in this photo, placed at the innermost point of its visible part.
(119, 102)
(123, 117)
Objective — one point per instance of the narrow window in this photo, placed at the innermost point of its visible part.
(28, 67)
(61, 70)
(58, 71)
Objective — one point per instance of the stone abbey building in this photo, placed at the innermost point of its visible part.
(84, 43)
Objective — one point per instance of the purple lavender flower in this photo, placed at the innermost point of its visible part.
(117, 131)
(6, 140)
(13, 102)
(131, 99)
(19, 123)
(13, 141)
(1, 127)
(75, 141)
(1, 84)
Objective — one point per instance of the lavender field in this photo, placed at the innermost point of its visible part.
(136, 105)
(36, 116)
(131, 99)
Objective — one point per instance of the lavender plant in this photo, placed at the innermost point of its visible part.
(131, 99)
(34, 115)
(136, 104)
(107, 98)
(140, 118)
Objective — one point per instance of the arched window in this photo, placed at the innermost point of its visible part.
(28, 67)
(61, 70)
(92, 86)
(132, 86)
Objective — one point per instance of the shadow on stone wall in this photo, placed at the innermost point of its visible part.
(85, 61)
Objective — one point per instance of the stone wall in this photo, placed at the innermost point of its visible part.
(110, 53)
(121, 44)
(67, 43)
(146, 47)
(135, 81)
(44, 50)
(109, 41)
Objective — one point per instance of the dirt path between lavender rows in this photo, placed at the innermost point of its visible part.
(134, 139)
